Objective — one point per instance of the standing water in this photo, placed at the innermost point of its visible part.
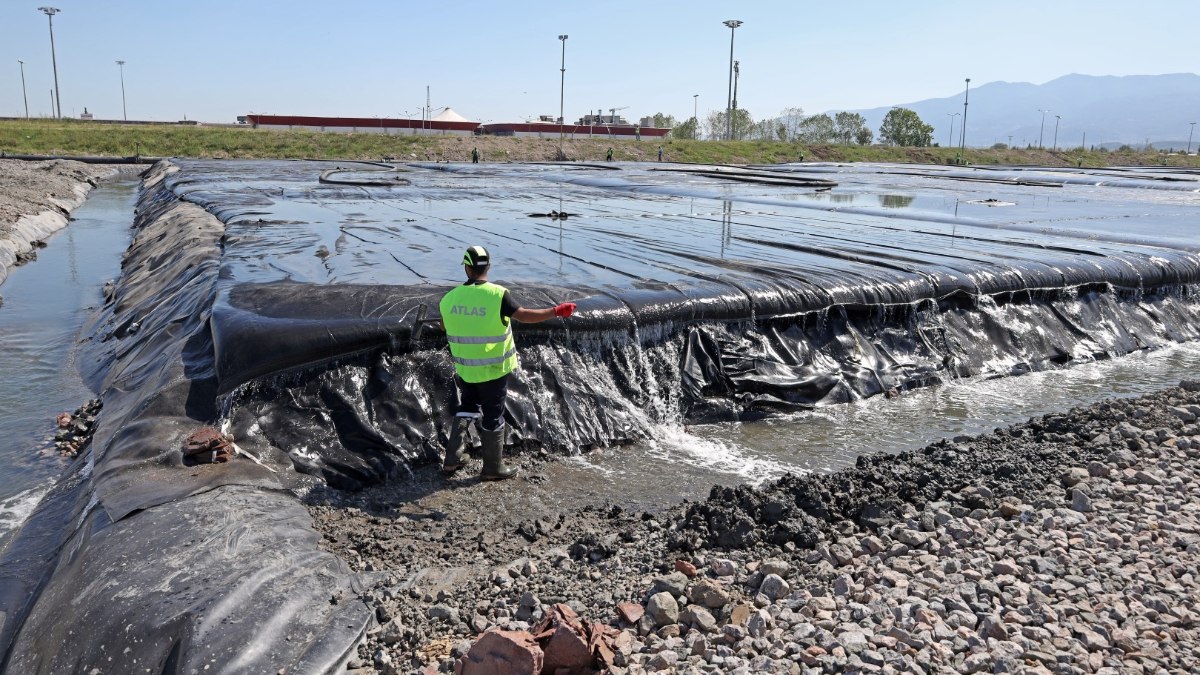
(45, 305)
(684, 462)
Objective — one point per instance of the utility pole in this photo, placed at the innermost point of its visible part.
(733, 24)
(562, 88)
(26, 98)
(1042, 128)
(1191, 126)
(50, 12)
(1057, 118)
(124, 112)
(696, 113)
(736, 75)
(962, 146)
(950, 143)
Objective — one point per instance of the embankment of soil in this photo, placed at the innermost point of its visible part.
(36, 200)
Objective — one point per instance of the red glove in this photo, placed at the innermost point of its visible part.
(564, 310)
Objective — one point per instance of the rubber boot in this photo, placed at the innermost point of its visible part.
(493, 462)
(456, 447)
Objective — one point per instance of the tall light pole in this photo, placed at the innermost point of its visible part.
(733, 24)
(26, 98)
(50, 12)
(562, 84)
(1043, 127)
(962, 145)
(696, 113)
(951, 116)
(1057, 118)
(1191, 127)
(124, 113)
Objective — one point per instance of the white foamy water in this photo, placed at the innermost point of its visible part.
(684, 462)
(15, 510)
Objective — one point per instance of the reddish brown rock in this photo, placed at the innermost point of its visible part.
(566, 652)
(206, 445)
(64, 420)
(502, 652)
(630, 612)
(688, 569)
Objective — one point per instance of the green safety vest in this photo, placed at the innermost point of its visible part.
(481, 340)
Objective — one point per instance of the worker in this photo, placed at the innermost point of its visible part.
(474, 155)
(608, 157)
(476, 317)
(660, 153)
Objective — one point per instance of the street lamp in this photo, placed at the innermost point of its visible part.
(1191, 127)
(951, 116)
(50, 12)
(733, 24)
(561, 91)
(695, 115)
(1056, 120)
(124, 113)
(26, 98)
(1043, 127)
(962, 146)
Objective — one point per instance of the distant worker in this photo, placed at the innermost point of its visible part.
(660, 153)
(637, 132)
(476, 317)
(474, 155)
(801, 155)
(608, 157)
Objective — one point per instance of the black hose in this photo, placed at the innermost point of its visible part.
(137, 159)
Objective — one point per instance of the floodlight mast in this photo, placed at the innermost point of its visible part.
(733, 24)
(50, 12)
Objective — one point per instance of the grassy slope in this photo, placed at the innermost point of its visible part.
(68, 137)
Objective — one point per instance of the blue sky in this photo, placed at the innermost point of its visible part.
(212, 60)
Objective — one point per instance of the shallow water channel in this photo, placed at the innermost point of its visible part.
(684, 463)
(46, 303)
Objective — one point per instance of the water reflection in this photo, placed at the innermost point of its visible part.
(895, 201)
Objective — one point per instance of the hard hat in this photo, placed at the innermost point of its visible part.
(477, 257)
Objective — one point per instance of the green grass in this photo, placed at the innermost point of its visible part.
(54, 137)
(72, 137)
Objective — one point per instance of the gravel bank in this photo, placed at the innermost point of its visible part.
(1068, 544)
(36, 199)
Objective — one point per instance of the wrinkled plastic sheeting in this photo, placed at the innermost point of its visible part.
(215, 566)
(359, 421)
(230, 581)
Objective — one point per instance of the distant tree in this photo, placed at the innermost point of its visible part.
(904, 127)
(790, 119)
(864, 136)
(817, 129)
(846, 126)
(664, 121)
(743, 124)
(1000, 146)
(764, 130)
(686, 129)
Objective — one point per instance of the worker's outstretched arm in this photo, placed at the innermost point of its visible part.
(539, 315)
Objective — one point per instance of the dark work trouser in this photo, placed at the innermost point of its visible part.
(484, 400)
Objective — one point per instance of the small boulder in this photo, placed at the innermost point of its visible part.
(502, 653)
(663, 609)
(774, 587)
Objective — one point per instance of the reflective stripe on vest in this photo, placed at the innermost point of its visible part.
(481, 341)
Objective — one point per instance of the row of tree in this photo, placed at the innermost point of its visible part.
(901, 126)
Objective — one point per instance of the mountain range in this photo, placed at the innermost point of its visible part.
(1110, 110)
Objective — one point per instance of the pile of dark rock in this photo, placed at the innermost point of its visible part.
(1068, 544)
(75, 429)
